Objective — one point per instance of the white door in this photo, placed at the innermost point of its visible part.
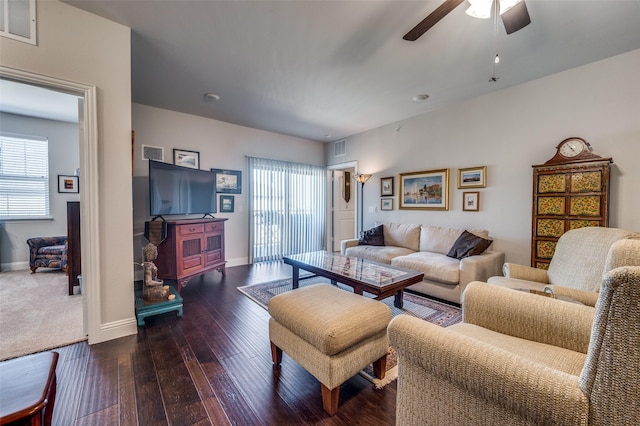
(344, 211)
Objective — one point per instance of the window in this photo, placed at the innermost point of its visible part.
(287, 205)
(24, 177)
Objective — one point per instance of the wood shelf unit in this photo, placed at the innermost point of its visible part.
(74, 258)
(566, 196)
(193, 247)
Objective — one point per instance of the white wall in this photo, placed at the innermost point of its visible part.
(77, 46)
(221, 146)
(509, 131)
(63, 160)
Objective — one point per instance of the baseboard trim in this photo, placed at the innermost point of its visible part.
(114, 330)
(14, 266)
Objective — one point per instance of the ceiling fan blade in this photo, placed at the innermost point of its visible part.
(433, 18)
(516, 18)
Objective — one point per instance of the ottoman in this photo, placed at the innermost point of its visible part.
(330, 332)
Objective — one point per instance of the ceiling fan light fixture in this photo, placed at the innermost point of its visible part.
(479, 9)
(507, 4)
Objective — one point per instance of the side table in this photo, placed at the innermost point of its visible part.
(28, 389)
(146, 309)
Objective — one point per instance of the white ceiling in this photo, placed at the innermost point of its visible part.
(34, 101)
(313, 68)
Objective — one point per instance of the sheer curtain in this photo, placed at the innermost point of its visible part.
(287, 208)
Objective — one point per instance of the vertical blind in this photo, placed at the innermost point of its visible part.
(24, 177)
(287, 212)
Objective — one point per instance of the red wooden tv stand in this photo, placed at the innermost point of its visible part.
(193, 247)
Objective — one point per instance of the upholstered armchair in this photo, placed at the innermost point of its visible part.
(577, 266)
(48, 252)
(524, 359)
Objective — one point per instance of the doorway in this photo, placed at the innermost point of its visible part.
(89, 191)
(343, 198)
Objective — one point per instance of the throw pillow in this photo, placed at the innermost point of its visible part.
(468, 244)
(372, 237)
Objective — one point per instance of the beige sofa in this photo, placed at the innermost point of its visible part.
(524, 359)
(424, 248)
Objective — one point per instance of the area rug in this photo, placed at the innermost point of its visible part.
(430, 310)
(37, 313)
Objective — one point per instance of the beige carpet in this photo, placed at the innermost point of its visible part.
(37, 313)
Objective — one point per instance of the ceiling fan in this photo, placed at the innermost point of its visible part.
(514, 15)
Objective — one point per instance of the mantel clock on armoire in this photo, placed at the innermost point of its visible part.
(570, 191)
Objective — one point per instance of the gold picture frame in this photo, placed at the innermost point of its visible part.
(427, 190)
(471, 201)
(472, 177)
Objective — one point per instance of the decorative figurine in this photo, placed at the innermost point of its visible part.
(154, 289)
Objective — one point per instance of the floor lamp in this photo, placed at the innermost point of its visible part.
(361, 178)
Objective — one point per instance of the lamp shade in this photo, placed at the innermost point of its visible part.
(480, 8)
(361, 178)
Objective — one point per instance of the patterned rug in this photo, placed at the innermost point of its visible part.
(430, 310)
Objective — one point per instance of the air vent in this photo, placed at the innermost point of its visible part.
(340, 148)
(152, 153)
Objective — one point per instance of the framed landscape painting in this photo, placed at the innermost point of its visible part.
(228, 181)
(428, 190)
(473, 177)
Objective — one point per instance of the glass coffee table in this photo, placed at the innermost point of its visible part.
(363, 275)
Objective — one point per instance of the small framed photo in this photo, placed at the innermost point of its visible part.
(386, 204)
(228, 181)
(473, 177)
(471, 201)
(386, 187)
(184, 158)
(68, 184)
(226, 203)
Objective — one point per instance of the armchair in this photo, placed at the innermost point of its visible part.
(576, 268)
(524, 359)
(48, 252)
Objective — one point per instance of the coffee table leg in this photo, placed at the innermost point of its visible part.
(398, 302)
(296, 276)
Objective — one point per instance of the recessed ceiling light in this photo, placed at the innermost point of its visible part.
(328, 136)
(420, 98)
(211, 97)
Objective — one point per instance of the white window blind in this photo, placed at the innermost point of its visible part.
(24, 177)
(287, 208)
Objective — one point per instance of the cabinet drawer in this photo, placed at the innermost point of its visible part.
(191, 262)
(214, 255)
(196, 228)
(209, 227)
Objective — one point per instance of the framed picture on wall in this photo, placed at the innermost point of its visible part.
(473, 177)
(428, 190)
(471, 201)
(386, 187)
(227, 203)
(68, 184)
(228, 181)
(184, 158)
(386, 204)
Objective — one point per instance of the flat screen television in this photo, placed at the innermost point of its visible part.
(176, 190)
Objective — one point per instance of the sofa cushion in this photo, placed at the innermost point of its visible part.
(435, 266)
(401, 235)
(382, 254)
(468, 244)
(440, 239)
(372, 237)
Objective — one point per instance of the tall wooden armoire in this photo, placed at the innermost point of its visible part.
(570, 191)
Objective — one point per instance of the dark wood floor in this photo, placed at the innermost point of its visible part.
(212, 366)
